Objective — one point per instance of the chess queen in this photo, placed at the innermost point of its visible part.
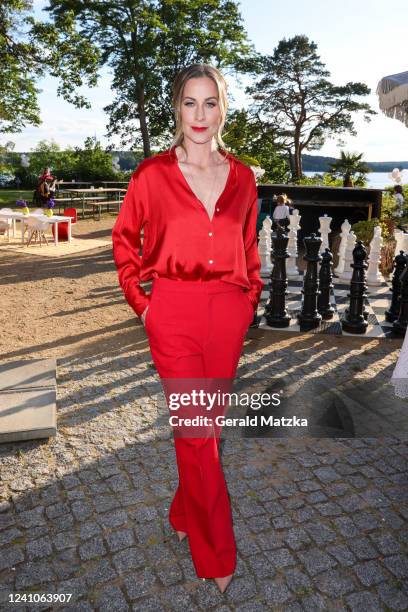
(197, 205)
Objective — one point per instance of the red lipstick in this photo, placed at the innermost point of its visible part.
(198, 129)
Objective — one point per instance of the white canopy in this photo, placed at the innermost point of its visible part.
(392, 92)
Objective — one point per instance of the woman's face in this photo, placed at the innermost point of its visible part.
(200, 108)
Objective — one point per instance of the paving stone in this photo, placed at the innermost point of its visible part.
(370, 573)
(92, 549)
(35, 572)
(140, 583)
(36, 549)
(296, 538)
(385, 543)
(363, 549)
(398, 565)
(316, 560)
(342, 553)
(275, 592)
(128, 559)
(364, 600)
(393, 597)
(112, 598)
(281, 558)
(335, 582)
(119, 539)
(320, 533)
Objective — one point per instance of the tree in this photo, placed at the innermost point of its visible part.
(145, 44)
(28, 50)
(92, 162)
(254, 144)
(348, 166)
(299, 104)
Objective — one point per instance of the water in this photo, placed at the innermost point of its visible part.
(378, 180)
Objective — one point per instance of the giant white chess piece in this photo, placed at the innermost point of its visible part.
(345, 229)
(348, 257)
(399, 237)
(294, 226)
(265, 246)
(324, 232)
(374, 276)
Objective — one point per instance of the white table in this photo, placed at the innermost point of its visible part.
(55, 219)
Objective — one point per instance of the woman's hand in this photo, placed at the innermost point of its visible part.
(143, 316)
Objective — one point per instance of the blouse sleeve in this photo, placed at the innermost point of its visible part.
(253, 260)
(126, 241)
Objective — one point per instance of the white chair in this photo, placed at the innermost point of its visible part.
(38, 211)
(36, 228)
(6, 223)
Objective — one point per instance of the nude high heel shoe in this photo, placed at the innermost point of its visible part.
(223, 583)
(181, 535)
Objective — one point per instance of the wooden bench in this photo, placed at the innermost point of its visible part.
(99, 205)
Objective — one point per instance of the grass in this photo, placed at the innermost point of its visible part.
(8, 197)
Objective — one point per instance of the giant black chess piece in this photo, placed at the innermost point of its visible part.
(276, 314)
(400, 263)
(354, 321)
(308, 317)
(325, 286)
(400, 325)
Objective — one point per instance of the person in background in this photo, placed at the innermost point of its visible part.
(399, 200)
(281, 214)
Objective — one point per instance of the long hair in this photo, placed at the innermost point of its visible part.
(194, 71)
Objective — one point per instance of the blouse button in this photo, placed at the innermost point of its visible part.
(210, 233)
(217, 209)
(210, 261)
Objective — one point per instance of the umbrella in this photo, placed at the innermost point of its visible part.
(392, 92)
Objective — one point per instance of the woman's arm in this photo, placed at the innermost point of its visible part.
(251, 250)
(126, 241)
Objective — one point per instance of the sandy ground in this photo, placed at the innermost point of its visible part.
(74, 305)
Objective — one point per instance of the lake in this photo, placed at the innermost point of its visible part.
(378, 180)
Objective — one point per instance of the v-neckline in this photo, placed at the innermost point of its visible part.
(187, 184)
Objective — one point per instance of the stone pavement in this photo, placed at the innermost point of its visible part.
(320, 524)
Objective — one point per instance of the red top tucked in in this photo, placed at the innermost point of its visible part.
(180, 241)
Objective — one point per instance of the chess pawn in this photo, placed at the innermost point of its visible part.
(265, 246)
(348, 257)
(345, 229)
(294, 226)
(374, 276)
(324, 231)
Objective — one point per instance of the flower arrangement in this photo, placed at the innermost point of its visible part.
(49, 210)
(24, 206)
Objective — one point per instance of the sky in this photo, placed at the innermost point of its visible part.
(357, 41)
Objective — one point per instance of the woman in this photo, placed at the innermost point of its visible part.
(281, 213)
(197, 204)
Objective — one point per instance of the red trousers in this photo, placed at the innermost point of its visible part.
(196, 330)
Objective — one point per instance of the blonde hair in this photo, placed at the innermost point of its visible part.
(283, 199)
(197, 71)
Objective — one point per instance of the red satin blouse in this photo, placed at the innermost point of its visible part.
(180, 241)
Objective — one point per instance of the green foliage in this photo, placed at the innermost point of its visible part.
(255, 146)
(364, 230)
(299, 103)
(324, 179)
(351, 168)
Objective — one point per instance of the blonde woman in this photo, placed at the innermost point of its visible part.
(197, 204)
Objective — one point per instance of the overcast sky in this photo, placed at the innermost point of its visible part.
(358, 41)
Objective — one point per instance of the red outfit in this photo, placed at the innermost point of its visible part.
(180, 241)
(206, 283)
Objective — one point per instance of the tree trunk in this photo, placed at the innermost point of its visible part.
(143, 122)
